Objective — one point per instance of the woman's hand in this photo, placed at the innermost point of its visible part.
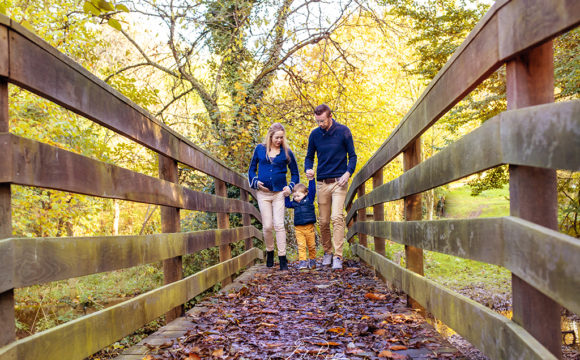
(262, 187)
(286, 191)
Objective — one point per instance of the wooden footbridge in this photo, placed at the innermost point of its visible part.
(535, 137)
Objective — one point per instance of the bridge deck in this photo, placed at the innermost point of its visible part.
(315, 314)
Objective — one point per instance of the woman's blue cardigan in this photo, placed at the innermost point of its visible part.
(272, 172)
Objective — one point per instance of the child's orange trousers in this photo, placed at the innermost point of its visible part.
(305, 238)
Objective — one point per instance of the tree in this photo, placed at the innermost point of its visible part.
(227, 53)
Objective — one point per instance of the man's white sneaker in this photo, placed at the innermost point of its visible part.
(327, 260)
(337, 263)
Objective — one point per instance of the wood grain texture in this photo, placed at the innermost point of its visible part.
(542, 257)
(486, 48)
(80, 338)
(41, 260)
(37, 67)
(545, 136)
(495, 335)
(533, 190)
(4, 53)
(362, 214)
(223, 222)
(170, 223)
(37, 164)
(379, 213)
(246, 221)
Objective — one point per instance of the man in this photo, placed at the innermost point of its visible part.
(333, 145)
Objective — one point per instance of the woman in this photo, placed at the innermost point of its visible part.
(272, 159)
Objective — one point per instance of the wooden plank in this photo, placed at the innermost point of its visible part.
(36, 66)
(540, 136)
(485, 49)
(246, 221)
(80, 338)
(37, 164)
(41, 260)
(7, 316)
(413, 211)
(495, 335)
(170, 223)
(533, 191)
(379, 213)
(4, 59)
(362, 215)
(544, 258)
(223, 222)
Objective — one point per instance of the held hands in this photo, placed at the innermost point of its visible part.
(310, 174)
(343, 180)
(286, 191)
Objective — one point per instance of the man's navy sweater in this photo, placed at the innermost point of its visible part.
(304, 210)
(331, 147)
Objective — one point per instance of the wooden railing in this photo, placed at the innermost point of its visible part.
(29, 62)
(534, 138)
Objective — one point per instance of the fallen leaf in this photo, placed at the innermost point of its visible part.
(376, 297)
(192, 356)
(266, 324)
(338, 330)
(392, 355)
(218, 352)
(380, 332)
(398, 347)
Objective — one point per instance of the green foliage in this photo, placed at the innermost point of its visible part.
(569, 203)
(105, 10)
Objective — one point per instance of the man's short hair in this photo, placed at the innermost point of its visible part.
(322, 109)
(300, 187)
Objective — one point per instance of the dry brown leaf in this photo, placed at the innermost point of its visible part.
(391, 355)
(192, 356)
(380, 332)
(338, 330)
(375, 297)
(218, 352)
(266, 324)
(398, 347)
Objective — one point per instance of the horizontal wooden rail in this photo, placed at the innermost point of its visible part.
(495, 335)
(32, 163)
(507, 29)
(31, 261)
(544, 258)
(85, 336)
(38, 67)
(546, 136)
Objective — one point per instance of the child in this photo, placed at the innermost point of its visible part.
(304, 219)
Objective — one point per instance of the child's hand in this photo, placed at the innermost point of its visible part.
(310, 174)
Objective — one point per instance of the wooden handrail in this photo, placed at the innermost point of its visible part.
(33, 64)
(499, 36)
(521, 137)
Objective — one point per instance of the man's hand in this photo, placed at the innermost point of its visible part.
(310, 174)
(343, 180)
(286, 191)
(262, 187)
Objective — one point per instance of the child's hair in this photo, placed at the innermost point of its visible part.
(268, 140)
(300, 187)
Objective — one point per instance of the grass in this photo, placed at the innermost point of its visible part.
(490, 203)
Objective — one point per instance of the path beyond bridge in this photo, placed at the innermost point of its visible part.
(318, 314)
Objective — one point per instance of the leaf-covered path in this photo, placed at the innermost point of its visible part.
(317, 314)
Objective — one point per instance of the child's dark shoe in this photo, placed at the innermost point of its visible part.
(270, 258)
(283, 262)
(312, 264)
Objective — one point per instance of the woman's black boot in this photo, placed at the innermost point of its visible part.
(283, 262)
(270, 258)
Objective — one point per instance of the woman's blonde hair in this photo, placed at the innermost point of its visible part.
(268, 140)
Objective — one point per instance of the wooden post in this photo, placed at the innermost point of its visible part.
(223, 221)
(379, 213)
(362, 215)
(246, 221)
(413, 211)
(7, 316)
(172, 268)
(533, 193)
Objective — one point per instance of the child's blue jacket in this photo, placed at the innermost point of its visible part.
(272, 172)
(304, 210)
